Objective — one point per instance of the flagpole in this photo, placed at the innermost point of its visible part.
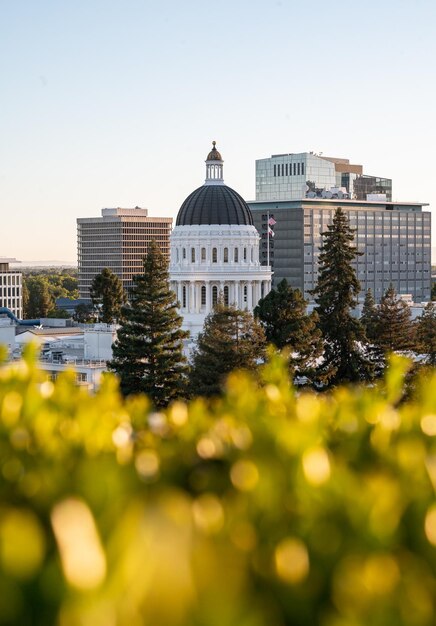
(267, 238)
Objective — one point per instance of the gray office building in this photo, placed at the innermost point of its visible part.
(394, 237)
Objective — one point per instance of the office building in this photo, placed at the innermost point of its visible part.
(394, 237)
(215, 250)
(296, 176)
(119, 241)
(11, 287)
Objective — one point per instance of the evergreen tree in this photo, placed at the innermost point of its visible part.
(433, 291)
(345, 354)
(231, 339)
(282, 315)
(369, 316)
(107, 292)
(147, 355)
(395, 330)
(426, 333)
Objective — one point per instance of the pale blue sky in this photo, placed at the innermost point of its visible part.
(115, 102)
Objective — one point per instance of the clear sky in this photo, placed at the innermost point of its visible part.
(108, 103)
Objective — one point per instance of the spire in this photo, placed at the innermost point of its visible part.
(214, 167)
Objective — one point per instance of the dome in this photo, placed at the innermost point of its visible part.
(214, 204)
(214, 155)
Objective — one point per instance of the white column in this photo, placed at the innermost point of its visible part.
(250, 295)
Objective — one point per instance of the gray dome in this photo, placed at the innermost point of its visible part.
(214, 204)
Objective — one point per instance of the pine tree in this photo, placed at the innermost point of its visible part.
(147, 355)
(231, 339)
(345, 357)
(107, 292)
(426, 333)
(369, 316)
(395, 330)
(282, 315)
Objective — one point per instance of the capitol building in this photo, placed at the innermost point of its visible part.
(215, 251)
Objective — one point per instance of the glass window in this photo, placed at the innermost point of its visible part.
(203, 295)
(236, 257)
(184, 296)
(295, 169)
(214, 255)
(298, 169)
(302, 168)
(192, 255)
(203, 254)
(274, 170)
(245, 293)
(226, 255)
(245, 254)
(184, 253)
(214, 295)
(226, 295)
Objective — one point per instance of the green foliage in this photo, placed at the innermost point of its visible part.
(41, 288)
(39, 302)
(345, 357)
(84, 313)
(426, 333)
(231, 339)
(282, 315)
(433, 291)
(260, 508)
(107, 292)
(394, 329)
(369, 316)
(148, 353)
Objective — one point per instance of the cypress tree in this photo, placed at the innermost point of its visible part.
(282, 315)
(369, 316)
(231, 339)
(345, 354)
(147, 355)
(426, 333)
(395, 330)
(107, 292)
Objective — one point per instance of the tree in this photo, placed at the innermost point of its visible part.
(282, 315)
(394, 329)
(39, 302)
(107, 292)
(426, 333)
(369, 316)
(433, 291)
(148, 353)
(231, 339)
(84, 313)
(345, 357)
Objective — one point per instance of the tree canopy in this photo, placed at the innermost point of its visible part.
(107, 295)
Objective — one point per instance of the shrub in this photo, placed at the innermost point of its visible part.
(260, 508)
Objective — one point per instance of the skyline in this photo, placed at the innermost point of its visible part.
(116, 103)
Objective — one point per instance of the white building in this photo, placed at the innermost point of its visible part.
(215, 250)
(11, 290)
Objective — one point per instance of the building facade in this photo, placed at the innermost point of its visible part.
(11, 287)
(118, 240)
(296, 176)
(215, 251)
(395, 239)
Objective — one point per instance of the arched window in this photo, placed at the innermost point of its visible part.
(245, 293)
(226, 255)
(214, 255)
(203, 255)
(236, 256)
(245, 254)
(214, 295)
(203, 295)
(184, 253)
(226, 295)
(192, 255)
(184, 296)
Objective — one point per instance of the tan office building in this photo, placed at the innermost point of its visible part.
(118, 240)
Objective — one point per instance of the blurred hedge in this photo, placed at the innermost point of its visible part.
(265, 508)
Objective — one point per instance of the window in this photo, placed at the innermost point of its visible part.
(283, 169)
(236, 256)
(286, 169)
(274, 170)
(298, 169)
(295, 169)
(245, 293)
(214, 255)
(184, 296)
(226, 255)
(245, 254)
(184, 253)
(302, 168)
(203, 295)
(214, 295)
(203, 255)
(192, 255)
(226, 296)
